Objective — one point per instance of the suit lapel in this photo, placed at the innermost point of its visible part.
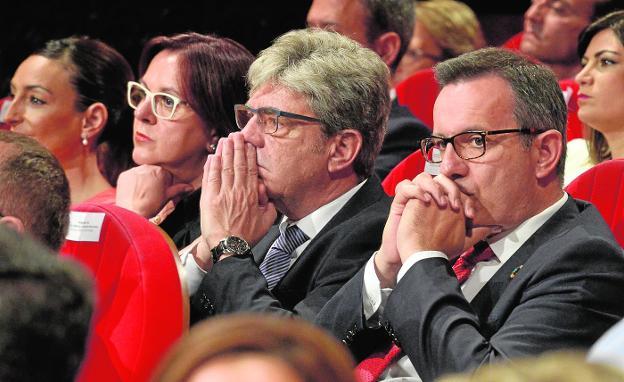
(370, 192)
(560, 222)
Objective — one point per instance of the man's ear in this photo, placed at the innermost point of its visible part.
(346, 146)
(549, 148)
(387, 45)
(94, 120)
(13, 223)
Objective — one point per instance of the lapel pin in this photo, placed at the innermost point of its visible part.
(515, 271)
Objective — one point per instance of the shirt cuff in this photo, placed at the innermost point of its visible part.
(193, 272)
(372, 295)
(416, 257)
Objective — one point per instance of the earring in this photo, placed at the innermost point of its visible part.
(85, 141)
(212, 148)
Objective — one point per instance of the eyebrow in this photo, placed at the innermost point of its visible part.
(32, 87)
(163, 90)
(601, 52)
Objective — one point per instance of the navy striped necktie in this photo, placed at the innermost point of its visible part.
(277, 260)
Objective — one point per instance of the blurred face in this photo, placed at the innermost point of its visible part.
(251, 367)
(346, 17)
(179, 145)
(551, 29)
(501, 182)
(292, 162)
(423, 52)
(601, 83)
(43, 106)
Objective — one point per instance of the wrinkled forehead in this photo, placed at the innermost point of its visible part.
(278, 96)
(583, 9)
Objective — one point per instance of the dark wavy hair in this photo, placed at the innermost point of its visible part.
(99, 73)
(212, 75)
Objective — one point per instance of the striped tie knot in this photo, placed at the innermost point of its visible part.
(277, 260)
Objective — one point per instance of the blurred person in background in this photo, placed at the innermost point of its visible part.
(183, 103)
(70, 96)
(257, 348)
(552, 27)
(45, 309)
(550, 367)
(442, 29)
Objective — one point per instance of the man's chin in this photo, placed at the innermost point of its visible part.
(479, 232)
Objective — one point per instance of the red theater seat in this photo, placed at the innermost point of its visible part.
(408, 168)
(141, 301)
(418, 93)
(513, 42)
(570, 88)
(603, 185)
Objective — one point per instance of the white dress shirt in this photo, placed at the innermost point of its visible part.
(311, 225)
(609, 349)
(374, 298)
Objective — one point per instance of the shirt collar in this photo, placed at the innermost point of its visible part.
(506, 246)
(314, 222)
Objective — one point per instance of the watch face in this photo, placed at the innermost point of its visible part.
(236, 245)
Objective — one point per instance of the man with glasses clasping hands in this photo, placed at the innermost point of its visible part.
(310, 132)
(490, 259)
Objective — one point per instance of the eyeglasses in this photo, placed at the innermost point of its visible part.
(163, 105)
(268, 117)
(467, 145)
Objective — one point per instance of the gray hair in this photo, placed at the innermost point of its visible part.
(390, 16)
(539, 103)
(345, 84)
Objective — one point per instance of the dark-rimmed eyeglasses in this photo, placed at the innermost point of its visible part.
(267, 117)
(467, 145)
(164, 105)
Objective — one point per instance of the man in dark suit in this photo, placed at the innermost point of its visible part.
(310, 133)
(546, 273)
(386, 28)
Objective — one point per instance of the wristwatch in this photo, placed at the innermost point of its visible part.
(231, 245)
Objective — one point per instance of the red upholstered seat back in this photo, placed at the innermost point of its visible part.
(603, 185)
(141, 307)
(408, 168)
(513, 42)
(569, 87)
(418, 93)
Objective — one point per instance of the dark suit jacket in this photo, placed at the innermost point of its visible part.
(567, 293)
(333, 256)
(402, 138)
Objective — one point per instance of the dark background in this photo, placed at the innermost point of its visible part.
(126, 25)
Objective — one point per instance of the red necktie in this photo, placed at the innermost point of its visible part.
(467, 260)
(371, 368)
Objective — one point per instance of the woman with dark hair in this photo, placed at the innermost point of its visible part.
(70, 96)
(601, 91)
(183, 103)
(257, 348)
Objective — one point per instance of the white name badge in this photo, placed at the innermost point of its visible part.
(85, 226)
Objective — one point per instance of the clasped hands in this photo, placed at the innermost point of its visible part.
(233, 199)
(428, 214)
